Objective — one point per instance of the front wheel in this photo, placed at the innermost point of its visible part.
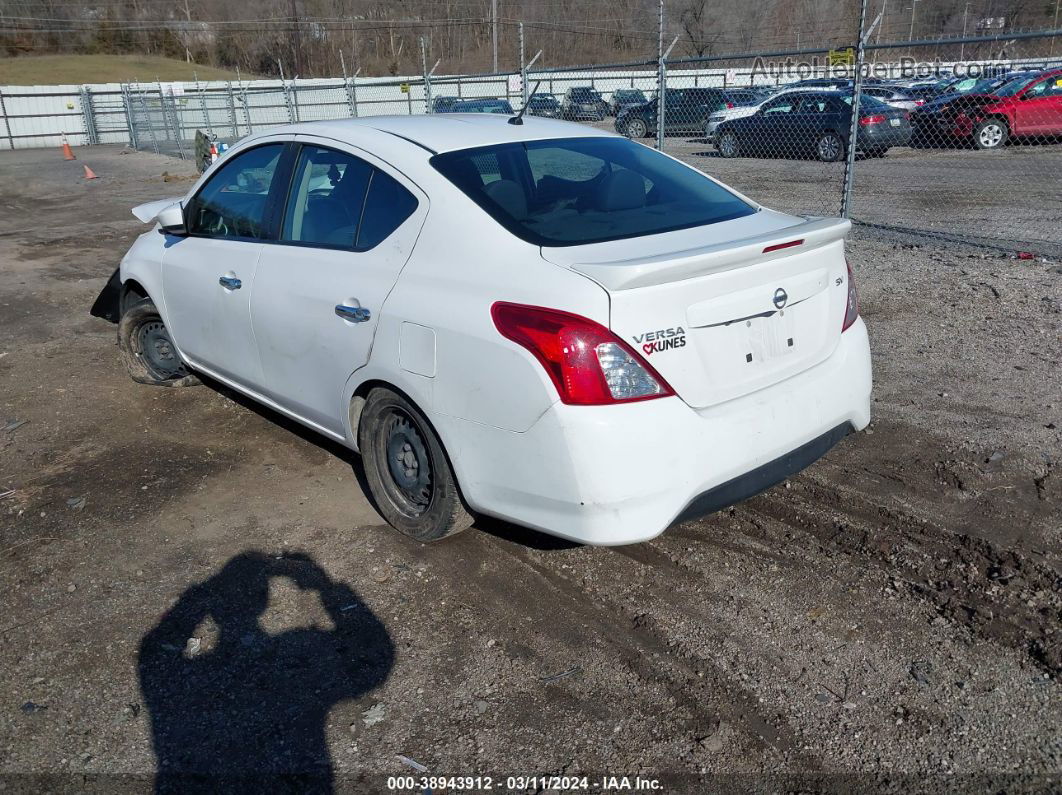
(729, 145)
(829, 148)
(407, 470)
(991, 134)
(147, 349)
(637, 128)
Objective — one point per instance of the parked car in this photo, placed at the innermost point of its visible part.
(443, 104)
(1024, 107)
(506, 320)
(814, 123)
(740, 111)
(893, 97)
(736, 97)
(687, 111)
(483, 106)
(624, 98)
(543, 105)
(583, 103)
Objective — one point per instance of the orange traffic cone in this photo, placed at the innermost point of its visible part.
(68, 154)
(89, 173)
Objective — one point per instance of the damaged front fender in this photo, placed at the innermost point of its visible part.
(108, 304)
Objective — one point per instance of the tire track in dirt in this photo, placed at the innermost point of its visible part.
(697, 687)
(1005, 596)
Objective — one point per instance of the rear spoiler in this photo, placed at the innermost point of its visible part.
(676, 266)
(147, 212)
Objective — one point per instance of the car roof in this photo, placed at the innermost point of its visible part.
(443, 133)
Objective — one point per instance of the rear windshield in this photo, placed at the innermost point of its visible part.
(572, 191)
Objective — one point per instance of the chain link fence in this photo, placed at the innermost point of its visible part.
(958, 150)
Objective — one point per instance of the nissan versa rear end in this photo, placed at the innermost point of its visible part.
(567, 329)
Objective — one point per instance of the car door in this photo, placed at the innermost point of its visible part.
(676, 106)
(208, 275)
(1038, 109)
(348, 229)
(767, 127)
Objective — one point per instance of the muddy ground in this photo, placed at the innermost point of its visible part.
(190, 581)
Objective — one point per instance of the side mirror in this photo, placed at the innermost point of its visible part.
(171, 220)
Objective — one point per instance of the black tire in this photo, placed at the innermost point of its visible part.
(636, 128)
(991, 133)
(408, 472)
(829, 148)
(728, 144)
(148, 351)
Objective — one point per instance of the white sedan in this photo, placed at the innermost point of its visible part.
(537, 321)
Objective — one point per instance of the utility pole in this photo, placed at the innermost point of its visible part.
(962, 47)
(1054, 27)
(914, 5)
(661, 80)
(523, 69)
(298, 38)
(427, 77)
(853, 131)
(494, 31)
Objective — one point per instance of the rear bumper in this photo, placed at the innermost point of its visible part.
(622, 474)
(884, 135)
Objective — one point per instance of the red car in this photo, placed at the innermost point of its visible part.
(1025, 108)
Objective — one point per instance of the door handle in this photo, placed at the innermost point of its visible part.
(355, 314)
(230, 282)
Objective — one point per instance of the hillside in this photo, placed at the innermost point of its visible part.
(29, 70)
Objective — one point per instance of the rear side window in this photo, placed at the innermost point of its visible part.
(573, 191)
(338, 200)
(327, 197)
(387, 205)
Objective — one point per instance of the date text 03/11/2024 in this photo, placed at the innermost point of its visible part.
(523, 783)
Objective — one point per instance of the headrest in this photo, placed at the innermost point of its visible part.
(621, 190)
(509, 196)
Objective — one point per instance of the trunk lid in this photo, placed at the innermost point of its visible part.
(717, 315)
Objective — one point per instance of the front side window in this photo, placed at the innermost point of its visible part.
(573, 191)
(233, 202)
(327, 197)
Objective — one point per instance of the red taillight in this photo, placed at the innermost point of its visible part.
(877, 118)
(589, 365)
(851, 311)
(919, 102)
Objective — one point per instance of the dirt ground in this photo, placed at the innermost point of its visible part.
(191, 582)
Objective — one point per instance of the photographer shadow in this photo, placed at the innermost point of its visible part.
(250, 713)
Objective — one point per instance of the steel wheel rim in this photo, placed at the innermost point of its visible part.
(407, 474)
(728, 144)
(636, 129)
(157, 352)
(828, 147)
(991, 135)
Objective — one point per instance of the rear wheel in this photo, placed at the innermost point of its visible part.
(729, 145)
(408, 472)
(147, 349)
(991, 134)
(829, 147)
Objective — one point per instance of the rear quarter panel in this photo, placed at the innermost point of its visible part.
(462, 264)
